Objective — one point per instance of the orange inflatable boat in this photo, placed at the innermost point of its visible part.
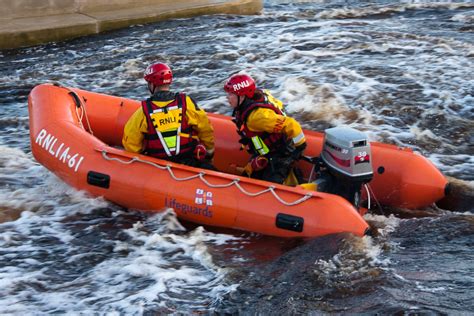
(77, 135)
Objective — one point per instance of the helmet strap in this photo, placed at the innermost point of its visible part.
(240, 100)
(151, 87)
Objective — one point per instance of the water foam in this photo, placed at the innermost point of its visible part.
(67, 252)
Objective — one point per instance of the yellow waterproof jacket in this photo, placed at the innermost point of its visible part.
(136, 127)
(266, 120)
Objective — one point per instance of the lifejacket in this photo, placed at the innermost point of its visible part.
(169, 133)
(260, 143)
(269, 98)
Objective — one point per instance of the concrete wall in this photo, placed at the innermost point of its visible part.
(102, 5)
(34, 8)
(32, 22)
(13, 9)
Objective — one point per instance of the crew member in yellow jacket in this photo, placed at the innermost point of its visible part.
(169, 125)
(274, 140)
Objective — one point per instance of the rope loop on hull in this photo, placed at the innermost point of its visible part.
(201, 175)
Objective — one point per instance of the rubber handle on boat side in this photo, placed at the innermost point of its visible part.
(98, 179)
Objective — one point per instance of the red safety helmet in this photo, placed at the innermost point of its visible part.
(240, 85)
(158, 74)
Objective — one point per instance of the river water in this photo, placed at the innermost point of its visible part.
(403, 72)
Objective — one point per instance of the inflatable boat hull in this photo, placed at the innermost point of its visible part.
(77, 135)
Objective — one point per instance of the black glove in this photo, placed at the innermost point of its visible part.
(298, 151)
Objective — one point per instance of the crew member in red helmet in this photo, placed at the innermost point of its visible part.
(274, 140)
(169, 125)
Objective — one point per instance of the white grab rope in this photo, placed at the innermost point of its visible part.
(368, 195)
(83, 112)
(201, 175)
(371, 192)
(82, 106)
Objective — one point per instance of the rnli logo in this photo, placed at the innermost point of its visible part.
(167, 120)
(148, 71)
(241, 85)
(203, 197)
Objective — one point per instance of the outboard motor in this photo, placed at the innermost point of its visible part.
(344, 165)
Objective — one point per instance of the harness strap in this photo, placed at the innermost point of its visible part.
(185, 133)
(160, 151)
(249, 110)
